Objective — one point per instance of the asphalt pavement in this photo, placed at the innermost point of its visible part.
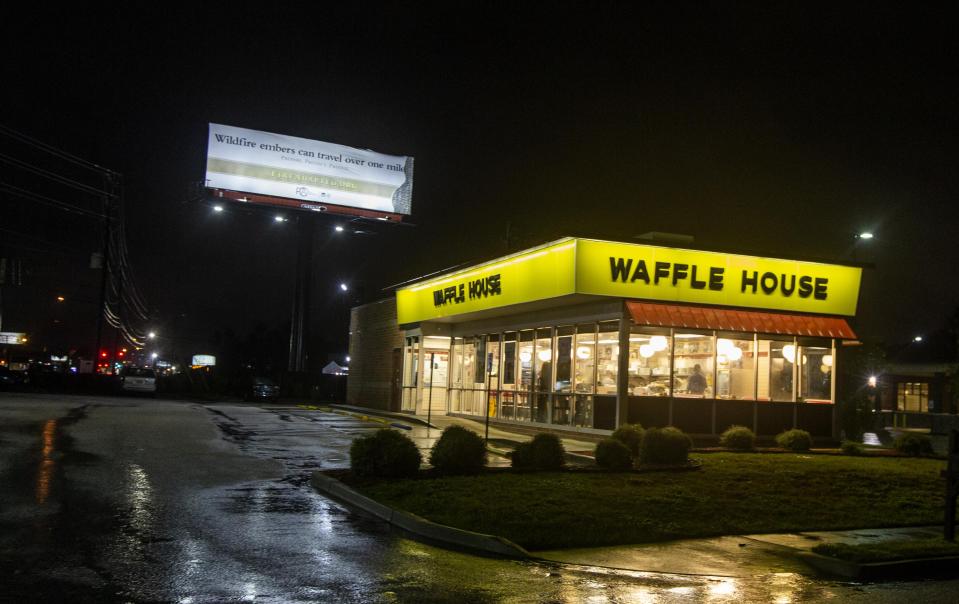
(109, 499)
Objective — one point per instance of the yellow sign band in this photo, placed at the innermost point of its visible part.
(628, 270)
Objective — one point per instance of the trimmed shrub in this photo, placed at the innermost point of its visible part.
(521, 457)
(665, 446)
(458, 451)
(794, 440)
(612, 454)
(385, 454)
(545, 453)
(851, 447)
(630, 435)
(913, 444)
(739, 438)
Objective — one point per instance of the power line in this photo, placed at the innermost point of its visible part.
(122, 305)
(29, 140)
(62, 205)
(53, 176)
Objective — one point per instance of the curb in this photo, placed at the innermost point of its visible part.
(415, 525)
(917, 568)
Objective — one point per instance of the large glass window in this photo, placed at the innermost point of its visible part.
(563, 358)
(543, 373)
(468, 396)
(776, 361)
(912, 396)
(508, 379)
(584, 364)
(411, 353)
(436, 350)
(509, 361)
(411, 373)
(524, 384)
(456, 376)
(563, 383)
(607, 358)
(479, 367)
(649, 354)
(815, 383)
(693, 365)
(584, 358)
(493, 373)
(735, 368)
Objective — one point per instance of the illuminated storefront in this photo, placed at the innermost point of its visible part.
(585, 335)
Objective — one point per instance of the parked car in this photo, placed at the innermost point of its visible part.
(262, 389)
(10, 378)
(138, 379)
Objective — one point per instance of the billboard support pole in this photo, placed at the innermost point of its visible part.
(300, 318)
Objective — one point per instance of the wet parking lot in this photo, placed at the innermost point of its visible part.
(136, 500)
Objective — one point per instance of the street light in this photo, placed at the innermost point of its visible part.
(917, 339)
(865, 235)
(152, 335)
(60, 298)
(344, 287)
(154, 356)
(217, 208)
(279, 218)
(338, 229)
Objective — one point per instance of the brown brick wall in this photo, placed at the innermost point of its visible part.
(374, 334)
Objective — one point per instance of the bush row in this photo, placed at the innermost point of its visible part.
(630, 444)
(741, 438)
(387, 453)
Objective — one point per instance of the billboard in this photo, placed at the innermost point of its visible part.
(12, 337)
(301, 173)
(204, 360)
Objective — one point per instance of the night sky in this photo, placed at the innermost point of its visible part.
(779, 129)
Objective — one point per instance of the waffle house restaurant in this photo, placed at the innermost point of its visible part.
(584, 335)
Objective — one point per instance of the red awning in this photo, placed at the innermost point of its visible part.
(721, 319)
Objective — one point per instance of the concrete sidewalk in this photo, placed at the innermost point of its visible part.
(730, 556)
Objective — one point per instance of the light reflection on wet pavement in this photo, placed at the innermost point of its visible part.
(116, 500)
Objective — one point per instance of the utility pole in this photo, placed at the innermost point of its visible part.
(300, 317)
(104, 266)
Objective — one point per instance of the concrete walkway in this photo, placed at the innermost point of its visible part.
(730, 556)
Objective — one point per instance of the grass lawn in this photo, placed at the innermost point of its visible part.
(734, 493)
(889, 550)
